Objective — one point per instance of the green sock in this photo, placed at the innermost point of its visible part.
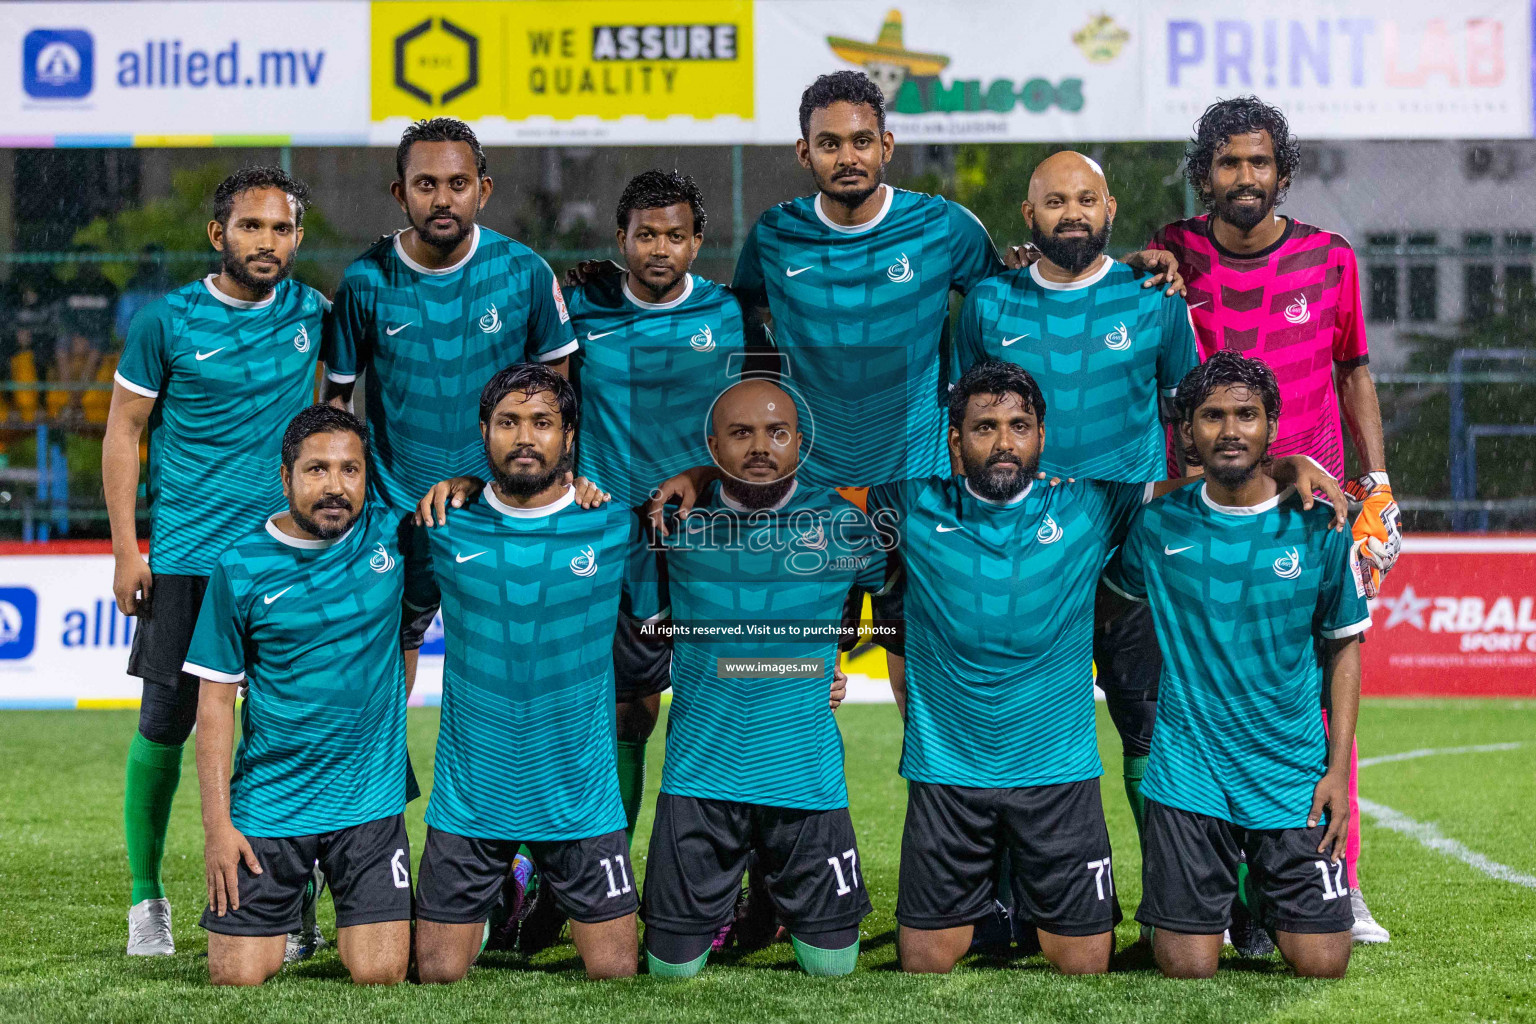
(631, 781)
(1135, 768)
(825, 963)
(1242, 886)
(154, 770)
(662, 969)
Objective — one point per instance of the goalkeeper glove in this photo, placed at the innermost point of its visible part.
(1378, 535)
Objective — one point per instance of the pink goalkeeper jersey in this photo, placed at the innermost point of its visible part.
(1296, 305)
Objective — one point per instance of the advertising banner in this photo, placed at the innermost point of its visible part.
(589, 71)
(1344, 68)
(1456, 618)
(962, 70)
(167, 74)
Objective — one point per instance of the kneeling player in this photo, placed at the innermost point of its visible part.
(754, 759)
(306, 614)
(530, 586)
(1257, 604)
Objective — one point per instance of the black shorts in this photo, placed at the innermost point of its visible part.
(1189, 875)
(461, 878)
(808, 861)
(642, 666)
(1061, 873)
(1125, 650)
(164, 632)
(367, 866)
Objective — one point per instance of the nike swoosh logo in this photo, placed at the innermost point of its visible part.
(464, 558)
(1197, 305)
(946, 529)
(392, 331)
(1010, 341)
(269, 598)
(204, 355)
(594, 337)
(796, 273)
(1173, 551)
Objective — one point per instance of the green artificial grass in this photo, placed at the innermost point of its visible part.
(1462, 942)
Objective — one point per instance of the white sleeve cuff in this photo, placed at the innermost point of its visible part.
(660, 616)
(1110, 584)
(1169, 392)
(560, 353)
(211, 675)
(1339, 634)
(137, 389)
(340, 378)
(1149, 491)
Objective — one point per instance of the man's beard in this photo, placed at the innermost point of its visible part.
(235, 266)
(757, 496)
(1245, 218)
(855, 198)
(1074, 255)
(994, 483)
(1233, 477)
(526, 485)
(443, 240)
(315, 528)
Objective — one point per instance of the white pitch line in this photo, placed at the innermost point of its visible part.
(1409, 755)
(1427, 834)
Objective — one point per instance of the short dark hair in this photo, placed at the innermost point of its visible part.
(1225, 369)
(437, 129)
(1241, 116)
(530, 379)
(320, 419)
(840, 87)
(994, 377)
(652, 190)
(248, 179)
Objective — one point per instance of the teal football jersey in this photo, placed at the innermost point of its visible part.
(1240, 598)
(530, 602)
(429, 340)
(648, 375)
(999, 601)
(1101, 350)
(312, 628)
(226, 376)
(858, 319)
(756, 738)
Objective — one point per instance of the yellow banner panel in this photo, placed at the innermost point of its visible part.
(562, 59)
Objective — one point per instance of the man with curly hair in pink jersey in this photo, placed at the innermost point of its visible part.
(1270, 286)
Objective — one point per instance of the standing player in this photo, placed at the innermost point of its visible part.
(530, 585)
(1259, 608)
(214, 370)
(854, 282)
(305, 615)
(754, 759)
(1268, 285)
(1107, 354)
(432, 312)
(1000, 749)
(658, 344)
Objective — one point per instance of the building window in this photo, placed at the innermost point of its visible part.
(1519, 287)
(1478, 241)
(1382, 301)
(1479, 291)
(1519, 241)
(1423, 292)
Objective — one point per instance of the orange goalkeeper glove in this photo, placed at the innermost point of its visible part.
(1377, 531)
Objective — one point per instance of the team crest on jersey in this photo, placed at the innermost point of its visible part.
(813, 538)
(584, 564)
(900, 272)
(1118, 339)
(1049, 532)
(382, 561)
(565, 314)
(1297, 312)
(704, 341)
(490, 323)
(1288, 565)
(301, 339)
